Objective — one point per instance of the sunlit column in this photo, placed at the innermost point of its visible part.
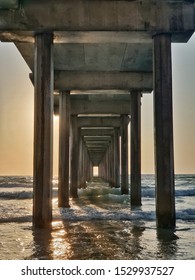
(163, 127)
(64, 133)
(43, 131)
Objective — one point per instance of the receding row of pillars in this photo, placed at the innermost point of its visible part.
(43, 135)
(109, 167)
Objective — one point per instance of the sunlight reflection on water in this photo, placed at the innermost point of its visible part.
(99, 225)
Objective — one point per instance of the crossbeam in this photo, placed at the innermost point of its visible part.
(165, 16)
(97, 104)
(68, 80)
(99, 121)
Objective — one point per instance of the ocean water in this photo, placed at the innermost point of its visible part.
(100, 225)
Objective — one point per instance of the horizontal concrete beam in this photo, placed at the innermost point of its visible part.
(97, 149)
(99, 122)
(81, 37)
(96, 143)
(93, 37)
(97, 104)
(103, 37)
(97, 132)
(158, 16)
(71, 80)
(97, 138)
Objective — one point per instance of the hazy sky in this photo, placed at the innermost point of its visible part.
(16, 114)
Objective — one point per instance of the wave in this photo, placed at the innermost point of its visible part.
(87, 214)
(104, 194)
(11, 185)
(150, 192)
(16, 195)
(186, 214)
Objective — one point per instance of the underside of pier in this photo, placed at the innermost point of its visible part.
(91, 62)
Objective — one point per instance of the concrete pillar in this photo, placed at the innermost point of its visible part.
(81, 178)
(107, 166)
(91, 170)
(112, 162)
(116, 159)
(163, 127)
(74, 158)
(102, 168)
(64, 133)
(124, 155)
(135, 148)
(43, 131)
(85, 167)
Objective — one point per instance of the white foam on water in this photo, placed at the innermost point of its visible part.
(100, 221)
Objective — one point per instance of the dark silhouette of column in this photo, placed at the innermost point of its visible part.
(135, 148)
(163, 127)
(124, 155)
(64, 133)
(43, 131)
(74, 157)
(116, 159)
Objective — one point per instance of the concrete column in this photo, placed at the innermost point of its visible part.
(64, 133)
(112, 162)
(81, 180)
(107, 166)
(163, 127)
(74, 158)
(102, 168)
(91, 170)
(116, 159)
(43, 131)
(124, 155)
(135, 148)
(85, 167)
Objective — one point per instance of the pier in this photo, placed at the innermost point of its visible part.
(91, 63)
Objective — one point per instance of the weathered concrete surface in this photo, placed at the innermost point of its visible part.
(97, 131)
(74, 158)
(121, 59)
(99, 121)
(97, 104)
(124, 154)
(116, 158)
(165, 16)
(64, 133)
(102, 79)
(43, 132)
(163, 119)
(135, 136)
(98, 66)
(101, 57)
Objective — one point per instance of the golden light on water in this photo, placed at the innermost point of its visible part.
(59, 245)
